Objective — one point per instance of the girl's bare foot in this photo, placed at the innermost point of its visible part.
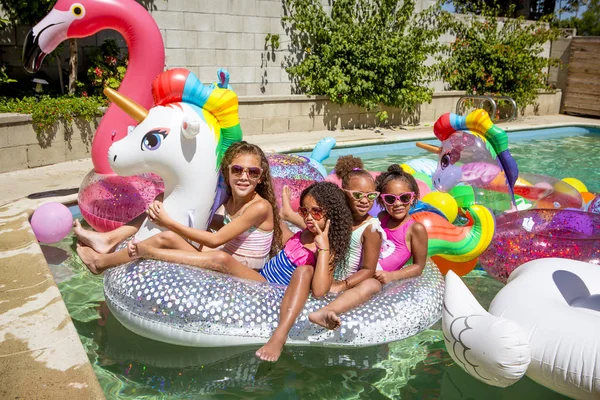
(286, 203)
(90, 258)
(95, 240)
(272, 349)
(325, 318)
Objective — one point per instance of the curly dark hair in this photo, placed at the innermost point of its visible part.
(347, 167)
(333, 201)
(264, 188)
(395, 172)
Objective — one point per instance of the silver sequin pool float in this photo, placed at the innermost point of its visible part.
(194, 307)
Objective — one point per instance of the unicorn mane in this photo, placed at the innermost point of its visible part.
(217, 105)
(478, 122)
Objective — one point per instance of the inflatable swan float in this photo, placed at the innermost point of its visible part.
(544, 323)
(183, 139)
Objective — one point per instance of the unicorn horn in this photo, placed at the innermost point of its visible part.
(133, 109)
(429, 147)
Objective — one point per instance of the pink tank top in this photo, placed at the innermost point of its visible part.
(394, 252)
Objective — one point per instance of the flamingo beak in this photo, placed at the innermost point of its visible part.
(44, 37)
(429, 147)
(131, 108)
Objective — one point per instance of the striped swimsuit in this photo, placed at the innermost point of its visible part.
(252, 247)
(354, 256)
(280, 268)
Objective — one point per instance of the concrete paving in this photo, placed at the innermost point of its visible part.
(40, 353)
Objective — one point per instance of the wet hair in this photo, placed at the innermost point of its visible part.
(393, 173)
(264, 188)
(333, 201)
(347, 167)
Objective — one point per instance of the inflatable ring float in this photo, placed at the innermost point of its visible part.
(195, 307)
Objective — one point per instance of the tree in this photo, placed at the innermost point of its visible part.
(26, 12)
(590, 20)
(365, 52)
(530, 9)
(499, 57)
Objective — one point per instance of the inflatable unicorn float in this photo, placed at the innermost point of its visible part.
(182, 140)
(476, 167)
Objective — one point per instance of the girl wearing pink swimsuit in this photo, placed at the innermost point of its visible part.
(405, 238)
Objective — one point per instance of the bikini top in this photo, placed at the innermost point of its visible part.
(254, 242)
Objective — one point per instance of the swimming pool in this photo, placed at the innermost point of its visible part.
(129, 366)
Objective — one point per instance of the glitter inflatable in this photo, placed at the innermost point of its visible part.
(107, 201)
(297, 172)
(544, 324)
(594, 205)
(195, 307)
(474, 152)
(541, 233)
(183, 139)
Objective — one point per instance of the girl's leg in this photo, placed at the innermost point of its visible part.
(97, 262)
(104, 242)
(214, 260)
(292, 304)
(328, 316)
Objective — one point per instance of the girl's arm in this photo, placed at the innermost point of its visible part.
(323, 276)
(418, 246)
(370, 255)
(255, 215)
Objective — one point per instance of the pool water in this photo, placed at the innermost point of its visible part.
(129, 366)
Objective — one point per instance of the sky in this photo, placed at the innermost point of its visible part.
(449, 7)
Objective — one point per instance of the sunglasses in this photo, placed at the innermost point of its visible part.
(404, 198)
(317, 212)
(356, 195)
(238, 170)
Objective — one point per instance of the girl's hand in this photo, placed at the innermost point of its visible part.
(384, 277)
(158, 215)
(322, 238)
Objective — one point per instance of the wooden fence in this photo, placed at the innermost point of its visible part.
(582, 94)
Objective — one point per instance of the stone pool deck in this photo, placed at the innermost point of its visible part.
(41, 356)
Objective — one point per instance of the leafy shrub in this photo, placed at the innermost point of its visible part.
(498, 57)
(366, 53)
(107, 68)
(46, 111)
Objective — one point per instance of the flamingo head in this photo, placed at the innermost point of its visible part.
(68, 19)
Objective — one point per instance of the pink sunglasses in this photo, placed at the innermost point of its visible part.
(404, 198)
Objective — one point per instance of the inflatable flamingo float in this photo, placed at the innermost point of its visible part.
(107, 200)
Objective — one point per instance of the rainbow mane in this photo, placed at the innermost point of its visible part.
(217, 106)
(479, 123)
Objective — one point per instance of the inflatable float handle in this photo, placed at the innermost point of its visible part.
(320, 153)
(322, 149)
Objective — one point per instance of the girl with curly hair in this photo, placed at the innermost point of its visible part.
(307, 262)
(355, 278)
(405, 238)
(247, 234)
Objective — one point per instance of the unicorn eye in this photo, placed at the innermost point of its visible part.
(445, 161)
(153, 139)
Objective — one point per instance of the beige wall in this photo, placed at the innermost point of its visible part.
(21, 148)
